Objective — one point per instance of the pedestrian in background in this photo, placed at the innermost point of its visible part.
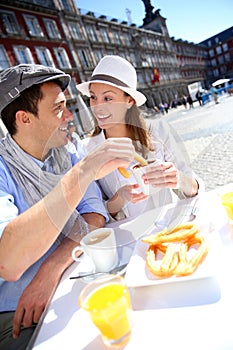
(166, 107)
(199, 97)
(161, 108)
(184, 101)
(72, 134)
(190, 101)
(214, 93)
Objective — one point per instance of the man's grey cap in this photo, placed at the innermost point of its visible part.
(15, 80)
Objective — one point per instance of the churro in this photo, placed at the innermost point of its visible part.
(174, 245)
(143, 162)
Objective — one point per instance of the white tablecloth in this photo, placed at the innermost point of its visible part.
(194, 314)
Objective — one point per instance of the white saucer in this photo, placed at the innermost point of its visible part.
(86, 265)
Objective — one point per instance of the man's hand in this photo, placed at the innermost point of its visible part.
(33, 300)
(38, 293)
(112, 154)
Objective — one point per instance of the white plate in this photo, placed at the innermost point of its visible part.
(137, 273)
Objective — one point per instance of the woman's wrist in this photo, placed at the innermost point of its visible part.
(188, 186)
(115, 204)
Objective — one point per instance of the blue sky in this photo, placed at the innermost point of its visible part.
(194, 20)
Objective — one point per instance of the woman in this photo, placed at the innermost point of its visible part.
(114, 101)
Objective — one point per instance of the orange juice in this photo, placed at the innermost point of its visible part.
(227, 202)
(110, 308)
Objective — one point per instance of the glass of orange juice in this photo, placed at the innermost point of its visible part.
(107, 300)
(227, 202)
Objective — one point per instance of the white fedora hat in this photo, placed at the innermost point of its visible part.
(115, 71)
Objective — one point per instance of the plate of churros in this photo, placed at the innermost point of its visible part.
(179, 254)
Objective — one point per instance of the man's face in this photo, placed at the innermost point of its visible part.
(50, 126)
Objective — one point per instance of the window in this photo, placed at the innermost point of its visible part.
(4, 60)
(72, 90)
(127, 39)
(144, 42)
(23, 54)
(104, 35)
(33, 26)
(216, 72)
(44, 56)
(140, 78)
(52, 30)
(213, 62)
(223, 69)
(10, 23)
(149, 60)
(149, 42)
(91, 32)
(85, 58)
(66, 5)
(75, 30)
(98, 54)
(227, 57)
(220, 59)
(218, 49)
(62, 57)
(211, 53)
(133, 58)
(116, 37)
(225, 47)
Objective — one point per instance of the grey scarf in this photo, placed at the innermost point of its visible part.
(35, 182)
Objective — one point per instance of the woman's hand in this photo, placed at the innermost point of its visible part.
(162, 175)
(128, 194)
(125, 194)
(166, 175)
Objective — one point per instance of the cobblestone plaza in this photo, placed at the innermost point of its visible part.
(207, 133)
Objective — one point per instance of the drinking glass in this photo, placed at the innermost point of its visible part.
(227, 202)
(107, 300)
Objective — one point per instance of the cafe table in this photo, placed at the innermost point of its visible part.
(185, 313)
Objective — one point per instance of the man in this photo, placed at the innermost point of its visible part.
(43, 191)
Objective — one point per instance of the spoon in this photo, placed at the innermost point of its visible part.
(114, 271)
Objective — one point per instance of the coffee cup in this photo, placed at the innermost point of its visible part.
(100, 246)
(138, 170)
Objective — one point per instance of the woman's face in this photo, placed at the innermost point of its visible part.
(109, 105)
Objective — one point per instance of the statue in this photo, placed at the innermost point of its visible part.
(150, 14)
(153, 20)
(149, 11)
(148, 5)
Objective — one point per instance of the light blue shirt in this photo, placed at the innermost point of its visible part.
(12, 203)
